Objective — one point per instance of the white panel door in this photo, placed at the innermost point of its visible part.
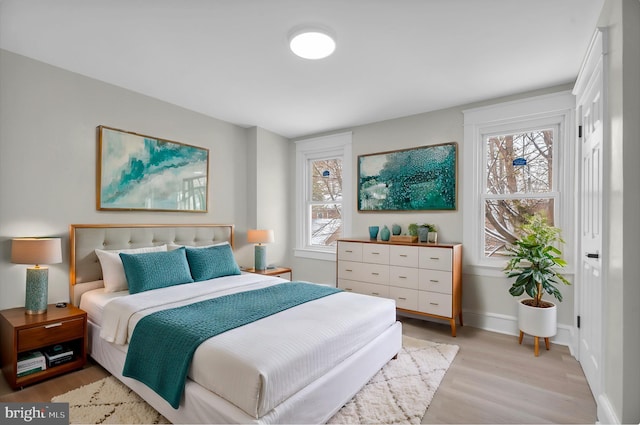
(590, 110)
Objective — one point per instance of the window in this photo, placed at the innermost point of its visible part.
(518, 161)
(518, 178)
(323, 191)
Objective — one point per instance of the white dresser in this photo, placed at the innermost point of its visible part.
(424, 279)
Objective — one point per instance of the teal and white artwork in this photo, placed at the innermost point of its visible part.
(422, 178)
(138, 172)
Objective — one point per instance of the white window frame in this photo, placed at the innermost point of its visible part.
(331, 146)
(553, 110)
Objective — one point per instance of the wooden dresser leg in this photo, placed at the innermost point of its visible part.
(460, 317)
(520, 339)
(536, 345)
(453, 326)
(546, 343)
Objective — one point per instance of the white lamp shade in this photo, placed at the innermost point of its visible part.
(260, 236)
(36, 251)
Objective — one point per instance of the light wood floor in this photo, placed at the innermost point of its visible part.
(492, 380)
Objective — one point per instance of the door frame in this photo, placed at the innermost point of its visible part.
(596, 53)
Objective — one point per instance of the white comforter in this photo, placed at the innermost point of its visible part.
(259, 365)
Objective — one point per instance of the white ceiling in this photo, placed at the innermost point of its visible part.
(229, 58)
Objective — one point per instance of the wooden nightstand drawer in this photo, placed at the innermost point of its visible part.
(50, 333)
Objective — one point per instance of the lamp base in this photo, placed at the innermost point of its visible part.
(261, 257)
(37, 295)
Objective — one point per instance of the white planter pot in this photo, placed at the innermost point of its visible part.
(541, 322)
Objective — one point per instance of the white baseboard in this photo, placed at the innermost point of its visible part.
(508, 325)
(606, 414)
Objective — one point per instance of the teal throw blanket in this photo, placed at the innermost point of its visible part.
(163, 343)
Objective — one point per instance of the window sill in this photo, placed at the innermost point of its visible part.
(315, 254)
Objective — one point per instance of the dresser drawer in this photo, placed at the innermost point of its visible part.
(404, 277)
(364, 272)
(376, 273)
(364, 288)
(436, 281)
(49, 334)
(406, 256)
(375, 253)
(436, 258)
(350, 251)
(435, 303)
(351, 270)
(405, 298)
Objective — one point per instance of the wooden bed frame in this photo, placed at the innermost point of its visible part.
(316, 403)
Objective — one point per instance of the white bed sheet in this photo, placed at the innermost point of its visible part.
(314, 404)
(260, 365)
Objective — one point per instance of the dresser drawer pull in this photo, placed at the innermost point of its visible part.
(375, 293)
(348, 270)
(402, 277)
(348, 289)
(348, 250)
(434, 303)
(434, 281)
(402, 298)
(375, 253)
(375, 274)
(434, 258)
(403, 255)
(53, 325)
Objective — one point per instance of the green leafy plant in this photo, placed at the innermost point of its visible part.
(430, 227)
(413, 229)
(535, 259)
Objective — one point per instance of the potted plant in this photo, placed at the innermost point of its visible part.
(423, 231)
(535, 259)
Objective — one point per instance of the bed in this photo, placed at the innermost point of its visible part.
(299, 365)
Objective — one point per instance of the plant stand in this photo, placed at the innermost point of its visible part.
(537, 322)
(536, 343)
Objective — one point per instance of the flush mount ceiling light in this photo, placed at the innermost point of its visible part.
(312, 43)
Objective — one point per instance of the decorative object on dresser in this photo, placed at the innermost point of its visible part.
(373, 232)
(385, 233)
(139, 172)
(534, 258)
(414, 179)
(21, 335)
(396, 229)
(36, 251)
(423, 279)
(259, 237)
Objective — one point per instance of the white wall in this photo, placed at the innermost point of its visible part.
(621, 330)
(48, 146)
(268, 197)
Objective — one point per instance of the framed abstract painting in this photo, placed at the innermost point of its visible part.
(414, 179)
(138, 172)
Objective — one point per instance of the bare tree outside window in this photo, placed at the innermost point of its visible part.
(326, 201)
(519, 183)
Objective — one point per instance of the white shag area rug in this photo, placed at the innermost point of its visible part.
(399, 394)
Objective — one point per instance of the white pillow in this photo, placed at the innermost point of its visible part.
(171, 246)
(112, 270)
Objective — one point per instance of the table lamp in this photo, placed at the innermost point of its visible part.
(259, 237)
(36, 251)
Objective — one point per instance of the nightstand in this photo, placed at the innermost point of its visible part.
(22, 333)
(277, 271)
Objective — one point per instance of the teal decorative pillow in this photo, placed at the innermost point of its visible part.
(211, 262)
(156, 270)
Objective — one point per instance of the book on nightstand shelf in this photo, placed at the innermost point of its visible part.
(30, 362)
(58, 354)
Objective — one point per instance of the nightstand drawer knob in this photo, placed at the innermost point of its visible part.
(53, 325)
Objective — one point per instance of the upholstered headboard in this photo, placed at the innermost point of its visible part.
(85, 273)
